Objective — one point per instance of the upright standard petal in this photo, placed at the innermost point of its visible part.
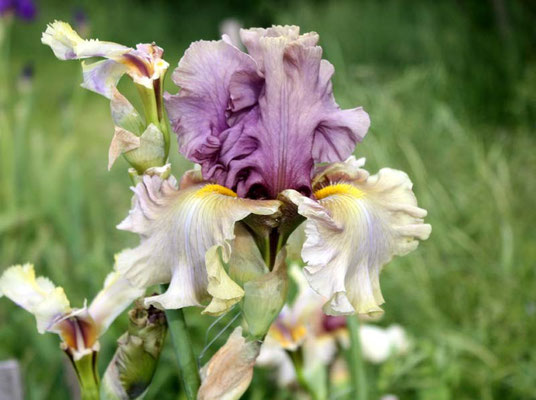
(356, 227)
(258, 123)
(198, 113)
(182, 234)
(38, 295)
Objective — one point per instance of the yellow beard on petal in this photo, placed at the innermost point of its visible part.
(214, 188)
(339, 188)
(288, 337)
(298, 333)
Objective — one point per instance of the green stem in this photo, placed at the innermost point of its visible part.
(300, 376)
(357, 367)
(86, 369)
(150, 107)
(184, 352)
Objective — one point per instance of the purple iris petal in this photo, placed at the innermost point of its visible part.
(257, 123)
(5, 6)
(25, 9)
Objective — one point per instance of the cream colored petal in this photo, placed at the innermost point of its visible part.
(116, 295)
(229, 372)
(62, 39)
(273, 355)
(319, 349)
(375, 343)
(67, 44)
(224, 291)
(354, 229)
(38, 295)
(180, 230)
(122, 142)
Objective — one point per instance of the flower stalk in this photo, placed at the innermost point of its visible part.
(88, 376)
(182, 344)
(355, 360)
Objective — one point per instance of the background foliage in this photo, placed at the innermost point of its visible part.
(451, 90)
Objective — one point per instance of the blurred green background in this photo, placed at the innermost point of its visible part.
(450, 87)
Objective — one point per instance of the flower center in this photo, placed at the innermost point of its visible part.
(339, 188)
(214, 188)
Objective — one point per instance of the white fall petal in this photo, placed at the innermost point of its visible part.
(116, 295)
(37, 295)
(356, 226)
(183, 233)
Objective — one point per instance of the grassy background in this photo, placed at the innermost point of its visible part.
(451, 91)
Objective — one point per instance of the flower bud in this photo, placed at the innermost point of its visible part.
(134, 363)
(264, 297)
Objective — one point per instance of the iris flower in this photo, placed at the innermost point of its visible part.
(302, 328)
(79, 328)
(274, 149)
(142, 140)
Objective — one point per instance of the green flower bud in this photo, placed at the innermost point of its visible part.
(264, 297)
(134, 363)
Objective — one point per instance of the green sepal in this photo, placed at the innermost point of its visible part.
(264, 298)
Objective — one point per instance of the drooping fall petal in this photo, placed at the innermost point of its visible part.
(356, 227)
(37, 295)
(116, 295)
(182, 234)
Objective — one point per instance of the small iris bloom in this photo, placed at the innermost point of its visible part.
(79, 328)
(274, 148)
(303, 327)
(145, 142)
